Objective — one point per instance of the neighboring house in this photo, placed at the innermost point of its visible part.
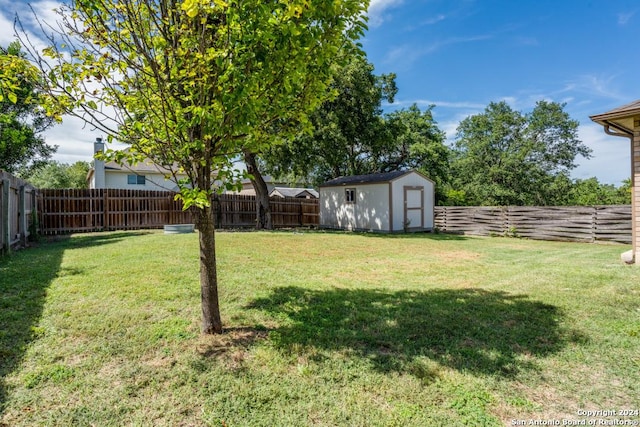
(386, 202)
(277, 189)
(142, 176)
(300, 193)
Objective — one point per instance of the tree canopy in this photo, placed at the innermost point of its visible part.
(54, 174)
(22, 120)
(505, 157)
(346, 128)
(414, 141)
(352, 136)
(190, 84)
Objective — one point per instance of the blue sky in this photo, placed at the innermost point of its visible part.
(462, 54)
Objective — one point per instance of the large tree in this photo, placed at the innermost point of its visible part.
(190, 84)
(412, 140)
(505, 157)
(346, 128)
(22, 120)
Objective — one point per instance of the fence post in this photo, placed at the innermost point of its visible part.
(22, 215)
(594, 224)
(506, 220)
(35, 207)
(105, 209)
(301, 213)
(5, 239)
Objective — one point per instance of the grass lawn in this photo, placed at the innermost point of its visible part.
(322, 329)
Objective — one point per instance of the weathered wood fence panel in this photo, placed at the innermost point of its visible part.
(479, 220)
(76, 211)
(567, 223)
(17, 211)
(71, 211)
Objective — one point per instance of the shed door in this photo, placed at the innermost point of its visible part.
(413, 208)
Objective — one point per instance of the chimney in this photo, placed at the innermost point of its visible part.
(98, 165)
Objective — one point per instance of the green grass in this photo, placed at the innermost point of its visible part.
(322, 329)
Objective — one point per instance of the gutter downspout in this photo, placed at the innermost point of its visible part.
(624, 133)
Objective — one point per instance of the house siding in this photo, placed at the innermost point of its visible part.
(635, 193)
(153, 181)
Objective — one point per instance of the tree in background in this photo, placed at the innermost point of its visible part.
(346, 128)
(193, 83)
(351, 136)
(22, 119)
(591, 192)
(504, 157)
(59, 175)
(412, 140)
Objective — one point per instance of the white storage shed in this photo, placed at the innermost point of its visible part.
(386, 202)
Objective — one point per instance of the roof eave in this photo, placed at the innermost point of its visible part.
(608, 124)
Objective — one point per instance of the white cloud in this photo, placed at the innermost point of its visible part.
(596, 85)
(74, 140)
(434, 20)
(403, 56)
(611, 157)
(443, 104)
(377, 9)
(624, 18)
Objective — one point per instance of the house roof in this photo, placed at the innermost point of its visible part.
(146, 166)
(620, 118)
(631, 109)
(267, 178)
(295, 192)
(365, 179)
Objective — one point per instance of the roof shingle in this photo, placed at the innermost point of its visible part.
(364, 179)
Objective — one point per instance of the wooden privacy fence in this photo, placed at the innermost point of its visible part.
(17, 213)
(569, 223)
(73, 211)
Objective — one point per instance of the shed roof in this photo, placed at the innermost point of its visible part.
(365, 179)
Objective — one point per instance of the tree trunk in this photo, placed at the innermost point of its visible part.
(263, 210)
(211, 322)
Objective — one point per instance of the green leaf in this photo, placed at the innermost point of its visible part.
(190, 7)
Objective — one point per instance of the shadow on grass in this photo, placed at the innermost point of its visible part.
(410, 235)
(484, 332)
(24, 279)
(419, 235)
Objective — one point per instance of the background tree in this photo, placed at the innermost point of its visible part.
(195, 82)
(346, 128)
(59, 175)
(504, 157)
(412, 140)
(590, 192)
(22, 120)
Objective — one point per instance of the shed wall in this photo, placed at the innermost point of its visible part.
(369, 212)
(397, 199)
